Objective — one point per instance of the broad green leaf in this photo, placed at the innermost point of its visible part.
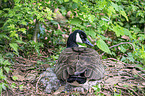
(118, 31)
(91, 33)
(76, 21)
(20, 41)
(14, 46)
(124, 14)
(103, 46)
(127, 32)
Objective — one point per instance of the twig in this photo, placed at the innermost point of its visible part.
(120, 44)
(123, 43)
(42, 75)
(135, 73)
(37, 83)
(126, 89)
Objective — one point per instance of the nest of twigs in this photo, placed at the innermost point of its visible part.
(120, 78)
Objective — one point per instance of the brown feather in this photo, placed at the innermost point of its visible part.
(78, 60)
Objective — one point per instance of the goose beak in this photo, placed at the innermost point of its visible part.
(88, 42)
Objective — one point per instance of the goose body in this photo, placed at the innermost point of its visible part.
(78, 64)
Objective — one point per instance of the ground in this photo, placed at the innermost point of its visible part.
(120, 78)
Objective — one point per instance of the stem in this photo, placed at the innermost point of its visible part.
(121, 44)
(36, 31)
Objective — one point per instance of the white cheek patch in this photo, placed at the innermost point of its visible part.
(78, 38)
(81, 46)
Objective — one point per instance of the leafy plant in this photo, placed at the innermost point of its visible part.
(4, 67)
(97, 89)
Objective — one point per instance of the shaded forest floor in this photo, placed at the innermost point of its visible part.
(120, 79)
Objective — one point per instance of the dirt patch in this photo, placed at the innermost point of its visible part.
(120, 78)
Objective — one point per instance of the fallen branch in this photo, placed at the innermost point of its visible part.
(121, 44)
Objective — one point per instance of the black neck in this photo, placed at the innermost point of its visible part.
(71, 44)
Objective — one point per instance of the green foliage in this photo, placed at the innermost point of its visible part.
(19, 18)
(4, 67)
(107, 22)
(94, 17)
(97, 89)
(103, 46)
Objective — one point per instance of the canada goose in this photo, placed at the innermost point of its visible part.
(78, 64)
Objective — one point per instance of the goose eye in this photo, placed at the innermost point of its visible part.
(82, 36)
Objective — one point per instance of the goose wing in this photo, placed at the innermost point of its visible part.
(79, 60)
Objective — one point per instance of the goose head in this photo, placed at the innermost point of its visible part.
(78, 36)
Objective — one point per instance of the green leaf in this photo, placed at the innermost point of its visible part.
(76, 1)
(4, 36)
(118, 31)
(134, 8)
(115, 6)
(110, 10)
(92, 33)
(124, 14)
(20, 41)
(13, 85)
(14, 46)
(135, 75)
(139, 65)
(1, 71)
(23, 22)
(22, 30)
(4, 86)
(91, 18)
(82, 44)
(66, 0)
(125, 85)
(0, 88)
(13, 33)
(75, 5)
(121, 31)
(103, 46)
(75, 21)
(21, 87)
(6, 62)
(7, 69)
(122, 49)
(15, 78)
